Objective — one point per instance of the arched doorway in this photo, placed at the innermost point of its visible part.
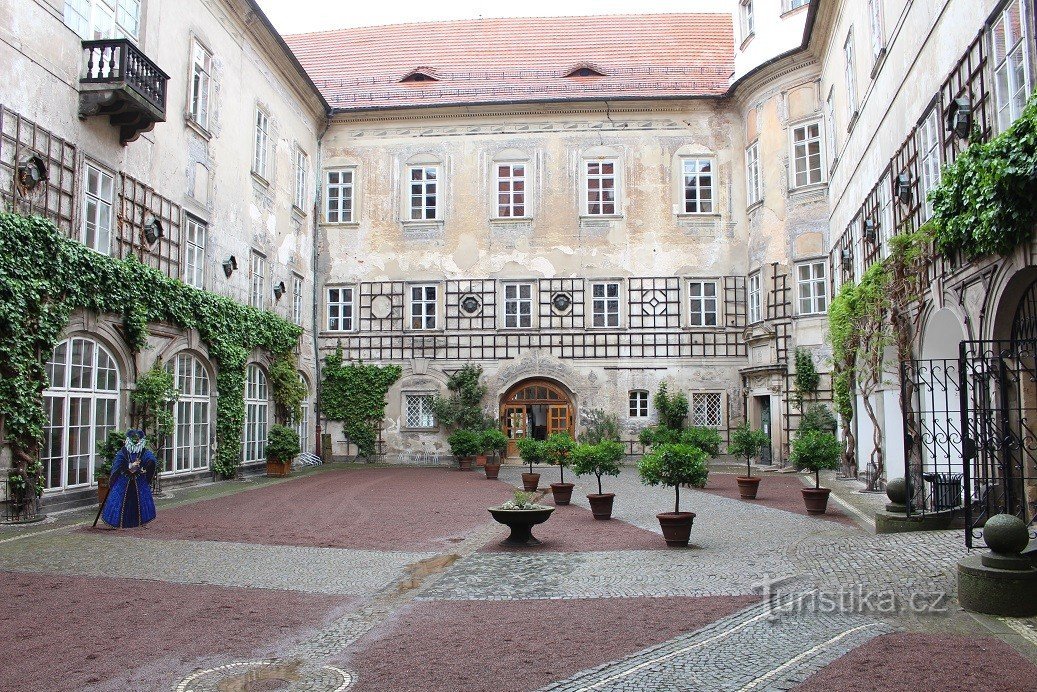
(535, 408)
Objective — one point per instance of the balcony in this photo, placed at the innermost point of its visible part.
(119, 81)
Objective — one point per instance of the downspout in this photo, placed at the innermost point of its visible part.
(316, 293)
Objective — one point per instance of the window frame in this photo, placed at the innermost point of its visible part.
(425, 302)
(192, 416)
(84, 20)
(518, 285)
(850, 78)
(261, 144)
(301, 174)
(754, 297)
(99, 203)
(703, 312)
(510, 192)
(586, 176)
(698, 175)
(876, 27)
(693, 409)
(198, 105)
(347, 323)
(197, 278)
(813, 298)
(405, 399)
(753, 175)
(638, 404)
(1021, 47)
(605, 300)
(930, 154)
(257, 279)
(425, 182)
(794, 158)
(341, 187)
(746, 19)
(250, 441)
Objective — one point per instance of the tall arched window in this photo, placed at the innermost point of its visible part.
(257, 407)
(82, 406)
(303, 424)
(188, 450)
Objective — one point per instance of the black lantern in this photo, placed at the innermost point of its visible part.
(902, 188)
(279, 290)
(959, 118)
(31, 172)
(870, 231)
(847, 258)
(229, 265)
(152, 229)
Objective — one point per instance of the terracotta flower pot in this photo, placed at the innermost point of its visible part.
(601, 505)
(492, 468)
(480, 460)
(275, 467)
(530, 481)
(816, 499)
(747, 487)
(562, 492)
(465, 463)
(676, 527)
(102, 490)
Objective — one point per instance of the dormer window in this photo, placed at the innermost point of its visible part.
(585, 70)
(421, 74)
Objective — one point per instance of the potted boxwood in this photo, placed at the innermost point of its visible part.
(559, 453)
(675, 465)
(748, 443)
(816, 450)
(464, 444)
(282, 446)
(494, 443)
(601, 459)
(532, 452)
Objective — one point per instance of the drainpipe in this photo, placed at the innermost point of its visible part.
(316, 294)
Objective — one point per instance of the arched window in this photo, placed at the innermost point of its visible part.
(82, 406)
(257, 407)
(303, 424)
(188, 450)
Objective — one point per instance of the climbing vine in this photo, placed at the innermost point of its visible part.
(44, 276)
(354, 393)
(286, 387)
(807, 377)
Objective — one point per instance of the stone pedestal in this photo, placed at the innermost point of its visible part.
(1002, 581)
(896, 519)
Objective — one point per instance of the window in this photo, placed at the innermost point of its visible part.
(702, 303)
(340, 309)
(95, 19)
(261, 154)
(417, 411)
(806, 154)
(511, 190)
(929, 158)
(638, 403)
(424, 192)
(302, 170)
(518, 305)
(605, 304)
(747, 18)
(795, 4)
(1009, 38)
(194, 253)
(338, 198)
(257, 280)
(424, 305)
(189, 450)
(878, 41)
(885, 216)
(830, 125)
(754, 191)
(754, 297)
(601, 188)
(707, 410)
(97, 209)
(201, 80)
(297, 286)
(813, 288)
(303, 425)
(850, 76)
(698, 186)
(257, 406)
(82, 406)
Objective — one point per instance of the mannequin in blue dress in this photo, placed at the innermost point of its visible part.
(129, 502)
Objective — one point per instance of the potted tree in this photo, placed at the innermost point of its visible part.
(675, 465)
(282, 446)
(816, 450)
(464, 444)
(106, 451)
(532, 452)
(601, 459)
(748, 443)
(495, 444)
(559, 452)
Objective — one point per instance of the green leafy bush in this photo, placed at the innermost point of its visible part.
(493, 441)
(601, 459)
(672, 408)
(532, 451)
(818, 417)
(674, 465)
(463, 407)
(464, 443)
(282, 443)
(106, 451)
(748, 443)
(286, 387)
(599, 426)
(816, 450)
(354, 393)
(655, 435)
(807, 378)
(706, 439)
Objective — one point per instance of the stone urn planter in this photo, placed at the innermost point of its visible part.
(676, 527)
(601, 505)
(562, 492)
(492, 469)
(521, 515)
(816, 499)
(747, 487)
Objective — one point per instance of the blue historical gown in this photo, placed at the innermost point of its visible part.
(129, 502)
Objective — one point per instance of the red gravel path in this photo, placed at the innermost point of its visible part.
(72, 633)
(378, 509)
(573, 529)
(778, 491)
(933, 662)
(518, 645)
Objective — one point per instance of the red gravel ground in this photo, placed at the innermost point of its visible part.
(72, 633)
(377, 509)
(778, 491)
(933, 662)
(572, 529)
(518, 645)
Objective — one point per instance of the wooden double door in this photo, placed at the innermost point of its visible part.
(536, 409)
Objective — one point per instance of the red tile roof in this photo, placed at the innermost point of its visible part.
(515, 60)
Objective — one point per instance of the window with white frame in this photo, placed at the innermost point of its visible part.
(297, 288)
(850, 65)
(194, 252)
(605, 304)
(417, 411)
(189, 450)
(303, 424)
(257, 408)
(424, 193)
(518, 305)
(878, 39)
(812, 278)
(748, 19)
(830, 142)
(754, 187)
(338, 196)
(806, 154)
(796, 4)
(697, 179)
(340, 309)
(257, 280)
(1011, 58)
(638, 403)
(929, 158)
(755, 293)
(601, 188)
(702, 303)
(302, 172)
(424, 306)
(98, 198)
(96, 19)
(261, 153)
(201, 85)
(511, 190)
(707, 410)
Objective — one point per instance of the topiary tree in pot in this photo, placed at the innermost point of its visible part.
(494, 444)
(559, 453)
(674, 465)
(464, 444)
(601, 459)
(816, 450)
(282, 446)
(532, 452)
(748, 443)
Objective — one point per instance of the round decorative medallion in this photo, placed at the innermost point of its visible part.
(381, 307)
(470, 305)
(561, 302)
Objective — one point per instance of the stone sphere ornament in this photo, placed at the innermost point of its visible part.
(1006, 534)
(896, 491)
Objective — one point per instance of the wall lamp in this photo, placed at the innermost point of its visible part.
(902, 188)
(229, 265)
(870, 231)
(959, 118)
(279, 290)
(847, 258)
(31, 172)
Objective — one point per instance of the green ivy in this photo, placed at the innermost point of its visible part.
(354, 394)
(152, 396)
(286, 388)
(807, 377)
(45, 276)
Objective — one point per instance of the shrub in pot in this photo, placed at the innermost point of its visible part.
(601, 459)
(106, 451)
(816, 450)
(464, 444)
(495, 445)
(532, 452)
(559, 452)
(748, 443)
(282, 446)
(675, 465)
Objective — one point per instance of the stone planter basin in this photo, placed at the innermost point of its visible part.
(521, 523)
